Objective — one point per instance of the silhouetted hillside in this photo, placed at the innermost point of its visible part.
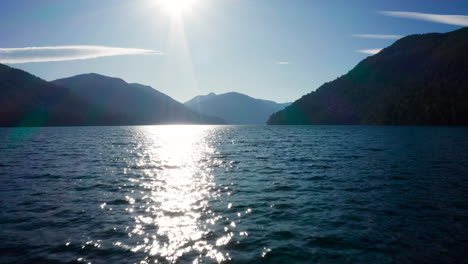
(419, 80)
(235, 108)
(89, 100)
(26, 100)
(134, 104)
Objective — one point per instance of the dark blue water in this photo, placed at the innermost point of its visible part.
(234, 194)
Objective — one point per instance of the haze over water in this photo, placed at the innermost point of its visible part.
(236, 194)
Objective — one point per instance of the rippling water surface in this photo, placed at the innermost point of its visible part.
(234, 194)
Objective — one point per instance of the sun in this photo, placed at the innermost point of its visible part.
(177, 7)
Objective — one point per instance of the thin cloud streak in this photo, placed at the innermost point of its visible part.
(66, 53)
(369, 51)
(457, 20)
(283, 63)
(377, 36)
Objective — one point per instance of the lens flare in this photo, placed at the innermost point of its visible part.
(177, 7)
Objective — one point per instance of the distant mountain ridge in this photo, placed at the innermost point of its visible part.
(87, 100)
(235, 108)
(27, 100)
(419, 80)
(137, 104)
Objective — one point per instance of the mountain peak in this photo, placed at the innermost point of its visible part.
(135, 104)
(234, 107)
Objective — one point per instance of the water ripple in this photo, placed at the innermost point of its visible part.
(235, 194)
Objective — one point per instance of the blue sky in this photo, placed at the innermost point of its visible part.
(269, 49)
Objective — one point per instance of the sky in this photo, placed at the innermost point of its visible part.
(270, 49)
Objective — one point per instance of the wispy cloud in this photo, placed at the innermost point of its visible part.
(369, 51)
(377, 36)
(66, 53)
(457, 20)
(283, 63)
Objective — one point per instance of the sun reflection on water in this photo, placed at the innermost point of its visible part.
(171, 213)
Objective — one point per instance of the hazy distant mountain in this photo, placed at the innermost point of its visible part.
(134, 104)
(419, 80)
(26, 100)
(235, 108)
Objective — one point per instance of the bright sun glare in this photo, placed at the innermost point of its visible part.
(177, 7)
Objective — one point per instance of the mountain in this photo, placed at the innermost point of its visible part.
(235, 108)
(133, 104)
(419, 80)
(27, 100)
(86, 100)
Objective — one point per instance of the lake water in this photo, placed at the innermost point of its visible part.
(234, 194)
